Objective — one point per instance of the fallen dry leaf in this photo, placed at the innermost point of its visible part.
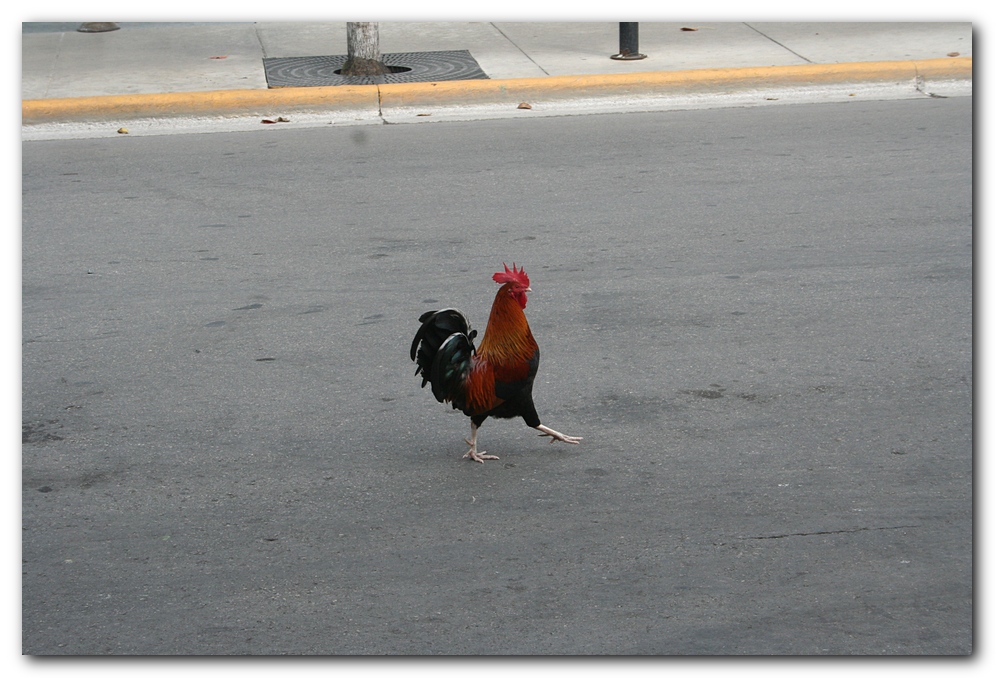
(267, 121)
(123, 130)
(685, 28)
(422, 115)
(953, 53)
(524, 105)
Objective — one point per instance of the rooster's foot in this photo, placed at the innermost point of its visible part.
(477, 456)
(556, 435)
(472, 442)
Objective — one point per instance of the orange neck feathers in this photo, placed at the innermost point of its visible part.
(507, 337)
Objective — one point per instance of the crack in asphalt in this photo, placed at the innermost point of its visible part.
(812, 534)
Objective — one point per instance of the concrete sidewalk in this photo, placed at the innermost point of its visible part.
(170, 70)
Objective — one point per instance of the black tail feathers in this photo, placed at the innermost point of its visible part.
(442, 349)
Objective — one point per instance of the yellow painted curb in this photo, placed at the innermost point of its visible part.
(375, 98)
(221, 102)
(665, 82)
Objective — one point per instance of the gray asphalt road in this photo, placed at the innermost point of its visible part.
(758, 319)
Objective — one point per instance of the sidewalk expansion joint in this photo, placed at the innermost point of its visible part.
(526, 54)
(779, 44)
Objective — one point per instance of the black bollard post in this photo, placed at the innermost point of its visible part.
(628, 42)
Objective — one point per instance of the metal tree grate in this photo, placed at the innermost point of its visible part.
(417, 67)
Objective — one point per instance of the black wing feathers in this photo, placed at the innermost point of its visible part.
(449, 369)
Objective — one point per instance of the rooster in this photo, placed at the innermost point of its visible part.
(494, 380)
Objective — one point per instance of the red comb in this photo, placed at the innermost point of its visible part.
(512, 275)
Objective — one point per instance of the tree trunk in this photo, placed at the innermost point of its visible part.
(363, 45)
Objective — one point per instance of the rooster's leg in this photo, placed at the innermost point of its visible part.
(472, 442)
(556, 435)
